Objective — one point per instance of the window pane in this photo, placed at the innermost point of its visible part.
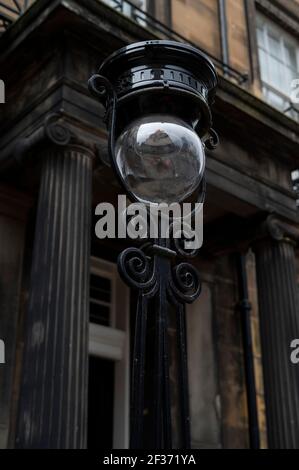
(289, 76)
(100, 298)
(276, 100)
(260, 37)
(99, 314)
(99, 294)
(278, 63)
(263, 65)
(274, 46)
(128, 8)
(100, 288)
(275, 73)
(290, 56)
(111, 3)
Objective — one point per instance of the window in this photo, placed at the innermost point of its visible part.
(109, 353)
(295, 180)
(279, 65)
(100, 300)
(128, 9)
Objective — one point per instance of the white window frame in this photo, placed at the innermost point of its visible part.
(127, 8)
(266, 25)
(113, 343)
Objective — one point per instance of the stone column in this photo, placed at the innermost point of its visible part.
(279, 325)
(53, 395)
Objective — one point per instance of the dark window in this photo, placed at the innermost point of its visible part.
(100, 403)
(100, 299)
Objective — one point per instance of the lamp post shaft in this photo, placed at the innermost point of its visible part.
(163, 288)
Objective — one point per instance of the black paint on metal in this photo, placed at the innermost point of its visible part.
(177, 71)
(245, 309)
(159, 278)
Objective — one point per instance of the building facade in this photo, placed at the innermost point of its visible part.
(66, 318)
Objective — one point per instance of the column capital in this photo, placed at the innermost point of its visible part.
(278, 229)
(55, 130)
(59, 132)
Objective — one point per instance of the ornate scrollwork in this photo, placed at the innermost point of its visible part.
(140, 267)
(185, 284)
(101, 88)
(212, 140)
(136, 269)
(56, 131)
(153, 277)
(139, 271)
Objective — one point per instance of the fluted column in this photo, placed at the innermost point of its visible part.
(279, 325)
(53, 395)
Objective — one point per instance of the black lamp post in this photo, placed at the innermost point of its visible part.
(157, 96)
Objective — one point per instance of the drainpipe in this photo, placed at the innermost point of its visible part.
(223, 34)
(245, 309)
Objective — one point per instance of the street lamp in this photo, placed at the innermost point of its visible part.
(157, 96)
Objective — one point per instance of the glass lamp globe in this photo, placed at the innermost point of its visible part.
(160, 159)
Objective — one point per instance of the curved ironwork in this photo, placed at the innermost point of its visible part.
(212, 140)
(164, 283)
(160, 280)
(135, 269)
(185, 283)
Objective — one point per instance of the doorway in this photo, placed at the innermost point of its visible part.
(109, 358)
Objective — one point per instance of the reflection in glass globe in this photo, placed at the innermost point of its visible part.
(160, 158)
